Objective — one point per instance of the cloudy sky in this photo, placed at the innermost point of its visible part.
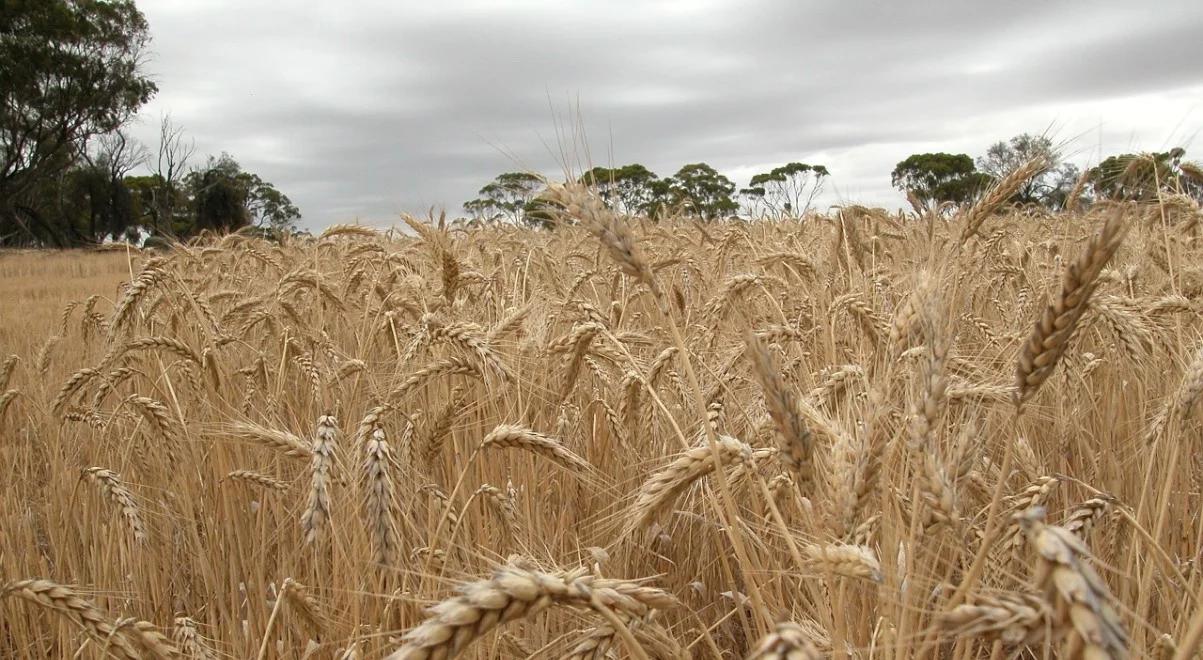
(363, 109)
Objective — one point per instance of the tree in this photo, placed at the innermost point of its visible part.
(754, 198)
(219, 200)
(112, 204)
(702, 190)
(939, 177)
(661, 198)
(70, 70)
(782, 190)
(542, 213)
(1142, 177)
(482, 210)
(629, 188)
(505, 196)
(226, 198)
(166, 199)
(1050, 188)
(268, 207)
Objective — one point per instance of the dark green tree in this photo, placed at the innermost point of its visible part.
(701, 190)
(505, 197)
(1140, 177)
(629, 188)
(939, 177)
(70, 70)
(787, 190)
(541, 213)
(226, 198)
(1049, 188)
(219, 201)
(111, 201)
(661, 198)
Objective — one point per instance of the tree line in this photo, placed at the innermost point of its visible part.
(695, 189)
(931, 181)
(71, 80)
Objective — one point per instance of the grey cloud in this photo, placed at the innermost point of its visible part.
(373, 108)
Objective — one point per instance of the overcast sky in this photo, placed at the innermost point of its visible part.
(364, 109)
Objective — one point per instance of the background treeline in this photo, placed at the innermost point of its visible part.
(71, 79)
(939, 182)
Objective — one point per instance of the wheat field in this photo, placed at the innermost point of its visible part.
(860, 435)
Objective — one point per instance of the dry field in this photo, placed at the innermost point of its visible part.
(861, 435)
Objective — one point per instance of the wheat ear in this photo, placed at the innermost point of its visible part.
(186, 636)
(1051, 334)
(380, 508)
(1013, 618)
(258, 478)
(317, 509)
(110, 484)
(787, 641)
(67, 602)
(1078, 595)
(513, 593)
(796, 440)
(513, 436)
(998, 195)
(659, 491)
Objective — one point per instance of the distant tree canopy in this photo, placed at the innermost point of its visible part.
(786, 190)
(70, 71)
(631, 188)
(931, 179)
(935, 178)
(1143, 177)
(697, 189)
(225, 198)
(704, 192)
(1049, 188)
(505, 197)
(541, 213)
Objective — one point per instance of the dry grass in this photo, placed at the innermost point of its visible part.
(831, 438)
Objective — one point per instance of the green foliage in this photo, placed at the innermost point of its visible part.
(70, 70)
(1142, 177)
(703, 191)
(158, 205)
(939, 177)
(786, 190)
(218, 200)
(630, 188)
(540, 213)
(505, 197)
(225, 198)
(1050, 188)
